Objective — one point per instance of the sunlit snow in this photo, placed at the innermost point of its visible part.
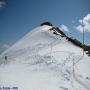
(42, 60)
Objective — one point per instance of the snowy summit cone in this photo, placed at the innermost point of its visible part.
(43, 36)
(45, 59)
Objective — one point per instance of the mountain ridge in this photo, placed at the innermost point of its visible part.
(71, 39)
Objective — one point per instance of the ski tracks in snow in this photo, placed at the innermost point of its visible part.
(76, 77)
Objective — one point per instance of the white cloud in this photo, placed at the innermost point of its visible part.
(79, 28)
(64, 28)
(84, 24)
(2, 4)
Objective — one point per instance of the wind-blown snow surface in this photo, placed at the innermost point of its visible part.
(42, 60)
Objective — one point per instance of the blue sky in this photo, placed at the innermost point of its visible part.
(18, 17)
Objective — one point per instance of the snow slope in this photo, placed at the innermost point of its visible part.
(42, 60)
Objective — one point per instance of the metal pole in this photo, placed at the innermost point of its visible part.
(83, 36)
(73, 65)
(51, 51)
(73, 73)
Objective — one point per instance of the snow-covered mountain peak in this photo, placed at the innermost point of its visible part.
(40, 40)
(45, 59)
(41, 35)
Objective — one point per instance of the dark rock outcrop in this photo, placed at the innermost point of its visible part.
(46, 23)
